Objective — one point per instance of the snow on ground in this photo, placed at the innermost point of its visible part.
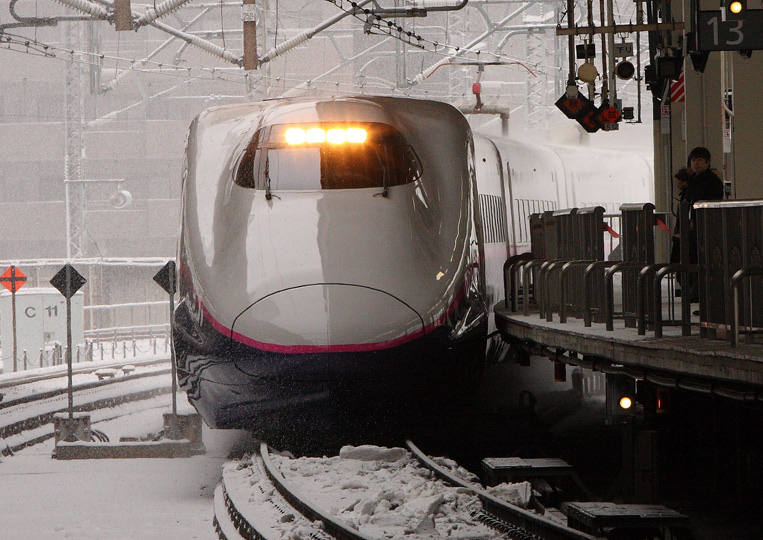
(124, 499)
(382, 492)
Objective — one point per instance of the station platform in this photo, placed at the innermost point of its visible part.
(710, 365)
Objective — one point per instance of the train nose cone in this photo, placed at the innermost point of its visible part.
(327, 317)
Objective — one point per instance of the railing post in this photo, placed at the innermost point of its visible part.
(735, 321)
(641, 301)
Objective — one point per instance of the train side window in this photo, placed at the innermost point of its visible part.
(493, 228)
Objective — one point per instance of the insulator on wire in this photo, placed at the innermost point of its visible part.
(84, 6)
(124, 76)
(286, 45)
(165, 8)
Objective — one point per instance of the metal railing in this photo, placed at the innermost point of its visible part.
(737, 280)
(729, 271)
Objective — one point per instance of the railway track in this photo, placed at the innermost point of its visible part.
(27, 420)
(279, 501)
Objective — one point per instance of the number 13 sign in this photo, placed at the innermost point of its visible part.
(715, 34)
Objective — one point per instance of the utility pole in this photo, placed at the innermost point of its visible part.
(73, 122)
(249, 18)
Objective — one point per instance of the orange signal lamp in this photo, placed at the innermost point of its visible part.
(736, 7)
(626, 402)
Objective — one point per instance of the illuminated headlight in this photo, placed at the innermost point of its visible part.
(336, 136)
(356, 135)
(295, 136)
(626, 402)
(315, 135)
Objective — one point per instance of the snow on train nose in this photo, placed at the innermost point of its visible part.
(327, 318)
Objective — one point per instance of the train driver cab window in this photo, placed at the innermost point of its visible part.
(310, 157)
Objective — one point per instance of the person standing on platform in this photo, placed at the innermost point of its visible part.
(697, 182)
(705, 183)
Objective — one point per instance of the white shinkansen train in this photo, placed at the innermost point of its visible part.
(352, 248)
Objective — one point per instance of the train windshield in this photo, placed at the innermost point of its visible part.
(309, 157)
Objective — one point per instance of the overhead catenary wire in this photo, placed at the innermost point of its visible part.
(130, 73)
(308, 34)
(460, 51)
(202, 44)
(224, 74)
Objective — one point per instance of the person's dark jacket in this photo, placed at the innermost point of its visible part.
(706, 186)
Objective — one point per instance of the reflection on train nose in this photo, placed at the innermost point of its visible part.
(323, 315)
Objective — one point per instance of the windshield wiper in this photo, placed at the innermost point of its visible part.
(385, 180)
(268, 194)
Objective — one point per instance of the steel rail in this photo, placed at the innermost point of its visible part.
(306, 507)
(77, 387)
(530, 525)
(233, 524)
(35, 421)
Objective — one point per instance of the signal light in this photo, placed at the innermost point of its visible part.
(626, 403)
(734, 9)
(620, 398)
(625, 70)
(663, 400)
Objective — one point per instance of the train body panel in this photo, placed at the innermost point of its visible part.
(353, 242)
(294, 276)
(554, 177)
(496, 240)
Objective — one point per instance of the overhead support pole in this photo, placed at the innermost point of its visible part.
(249, 19)
(611, 58)
(122, 15)
(305, 35)
(571, 44)
(421, 77)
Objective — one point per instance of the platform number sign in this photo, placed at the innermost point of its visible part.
(716, 34)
